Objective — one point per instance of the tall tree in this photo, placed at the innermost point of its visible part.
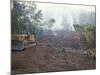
(50, 23)
(25, 17)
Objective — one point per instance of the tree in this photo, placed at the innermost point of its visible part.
(87, 34)
(90, 36)
(50, 23)
(25, 18)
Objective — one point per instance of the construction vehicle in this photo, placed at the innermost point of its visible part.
(22, 41)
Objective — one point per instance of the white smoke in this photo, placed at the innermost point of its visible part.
(64, 15)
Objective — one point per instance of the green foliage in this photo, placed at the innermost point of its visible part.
(25, 18)
(50, 23)
(87, 34)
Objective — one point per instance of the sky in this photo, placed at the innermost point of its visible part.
(62, 12)
(91, 2)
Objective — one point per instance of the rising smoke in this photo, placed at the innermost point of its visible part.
(67, 15)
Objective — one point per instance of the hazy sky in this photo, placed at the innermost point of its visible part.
(63, 11)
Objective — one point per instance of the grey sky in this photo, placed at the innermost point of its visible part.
(63, 11)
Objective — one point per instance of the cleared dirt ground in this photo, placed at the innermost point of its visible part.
(50, 58)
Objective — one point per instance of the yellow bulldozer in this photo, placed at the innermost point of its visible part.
(22, 41)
